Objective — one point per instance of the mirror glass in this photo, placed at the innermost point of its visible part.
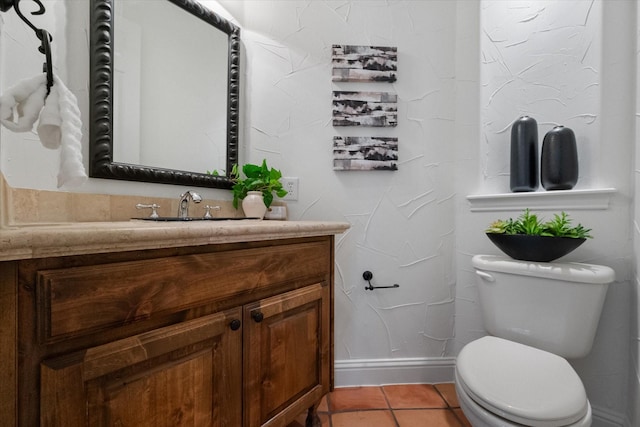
(164, 92)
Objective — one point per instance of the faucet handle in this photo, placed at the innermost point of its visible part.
(153, 207)
(207, 213)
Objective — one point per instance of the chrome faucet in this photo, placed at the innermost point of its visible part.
(183, 205)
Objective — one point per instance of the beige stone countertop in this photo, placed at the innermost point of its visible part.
(48, 240)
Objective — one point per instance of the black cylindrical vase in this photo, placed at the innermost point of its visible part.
(559, 160)
(524, 154)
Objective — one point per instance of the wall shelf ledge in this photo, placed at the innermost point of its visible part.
(587, 199)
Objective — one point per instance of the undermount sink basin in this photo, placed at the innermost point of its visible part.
(192, 218)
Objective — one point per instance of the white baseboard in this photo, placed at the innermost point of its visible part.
(605, 418)
(372, 372)
(368, 372)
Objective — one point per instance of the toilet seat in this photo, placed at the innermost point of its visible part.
(521, 384)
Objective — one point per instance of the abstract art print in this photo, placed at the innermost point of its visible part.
(378, 109)
(356, 153)
(364, 63)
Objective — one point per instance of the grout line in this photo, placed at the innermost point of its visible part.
(392, 410)
(393, 414)
(458, 418)
(442, 397)
(448, 407)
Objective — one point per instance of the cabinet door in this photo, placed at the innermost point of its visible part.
(185, 374)
(286, 344)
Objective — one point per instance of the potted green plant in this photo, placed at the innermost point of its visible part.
(260, 181)
(532, 239)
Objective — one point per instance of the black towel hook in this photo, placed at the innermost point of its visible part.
(43, 35)
(40, 11)
(47, 67)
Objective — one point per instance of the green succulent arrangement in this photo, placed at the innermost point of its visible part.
(529, 224)
(257, 178)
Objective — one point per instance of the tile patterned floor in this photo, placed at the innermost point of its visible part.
(407, 405)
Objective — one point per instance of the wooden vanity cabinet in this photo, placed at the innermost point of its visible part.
(220, 335)
(186, 374)
(285, 356)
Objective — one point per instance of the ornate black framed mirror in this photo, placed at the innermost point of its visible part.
(164, 76)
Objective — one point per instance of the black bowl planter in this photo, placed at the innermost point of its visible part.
(534, 248)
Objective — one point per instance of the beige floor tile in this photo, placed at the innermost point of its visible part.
(465, 422)
(413, 396)
(375, 418)
(414, 405)
(426, 417)
(356, 398)
(448, 391)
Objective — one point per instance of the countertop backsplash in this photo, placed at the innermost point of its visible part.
(27, 206)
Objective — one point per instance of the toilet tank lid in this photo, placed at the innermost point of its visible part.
(569, 271)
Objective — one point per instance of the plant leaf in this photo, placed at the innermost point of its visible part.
(529, 223)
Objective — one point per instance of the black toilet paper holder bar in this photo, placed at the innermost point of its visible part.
(367, 275)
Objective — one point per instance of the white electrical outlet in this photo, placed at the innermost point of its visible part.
(291, 185)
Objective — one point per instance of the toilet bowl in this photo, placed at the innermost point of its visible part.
(538, 314)
(501, 383)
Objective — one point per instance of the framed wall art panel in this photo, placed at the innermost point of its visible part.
(377, 109)
(365, 153)
(364, 63)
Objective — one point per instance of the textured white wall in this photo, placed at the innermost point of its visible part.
(542, 59)
(633, 409)
(402, 222)
(23, 159)
(413, 226)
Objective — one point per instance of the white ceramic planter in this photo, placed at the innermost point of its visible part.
(253, 205)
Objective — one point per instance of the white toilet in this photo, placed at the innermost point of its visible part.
(538, 314)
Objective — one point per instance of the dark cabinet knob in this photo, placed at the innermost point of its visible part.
(257, 316)
(235, 324)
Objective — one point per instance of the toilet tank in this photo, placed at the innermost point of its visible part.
(551, 306)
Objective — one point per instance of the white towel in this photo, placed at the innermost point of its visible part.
(59, 126)
(21, 104)
(50, 122)
(72, 170)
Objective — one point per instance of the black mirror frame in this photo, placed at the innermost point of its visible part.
(101, 164)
